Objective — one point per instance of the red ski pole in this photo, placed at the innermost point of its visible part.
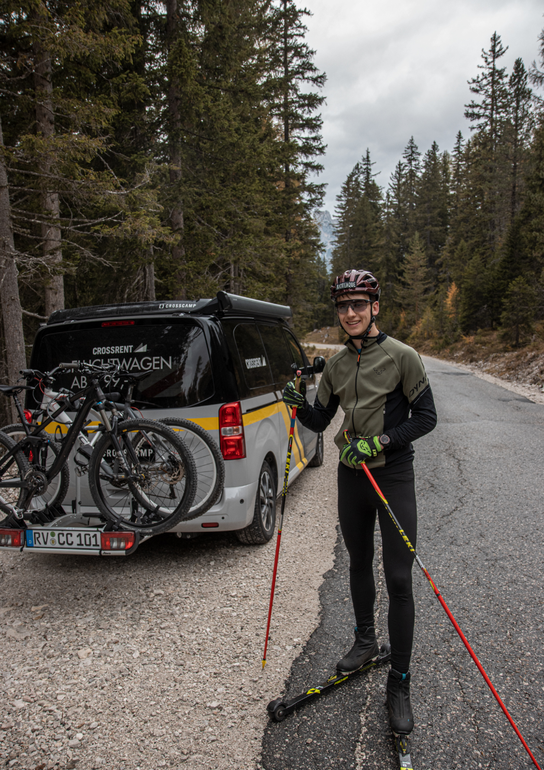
(283, 495)
(448, 612)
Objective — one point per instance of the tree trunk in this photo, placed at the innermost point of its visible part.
(50, 229)
(174, 111)
(149, 282)
(12, 316)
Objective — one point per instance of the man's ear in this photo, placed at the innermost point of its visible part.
(375, 307)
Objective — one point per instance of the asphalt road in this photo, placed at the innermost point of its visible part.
(480, 488)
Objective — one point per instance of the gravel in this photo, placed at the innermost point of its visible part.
(155, 660)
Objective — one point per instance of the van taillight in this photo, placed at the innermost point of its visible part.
(231, 431)
(11, 538)
(116, 541)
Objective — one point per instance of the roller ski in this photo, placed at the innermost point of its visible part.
(401, 718)
(280, 708)
(403, 749)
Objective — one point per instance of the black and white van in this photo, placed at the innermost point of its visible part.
(221, 363)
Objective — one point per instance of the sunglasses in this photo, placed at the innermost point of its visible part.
(358, 306)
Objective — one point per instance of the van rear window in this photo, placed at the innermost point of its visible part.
(175, 356)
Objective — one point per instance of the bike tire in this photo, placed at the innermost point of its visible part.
(210, 467)
(58, 487)
(161, 482)
(15, 472)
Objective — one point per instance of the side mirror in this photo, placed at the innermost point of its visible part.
(319, 364)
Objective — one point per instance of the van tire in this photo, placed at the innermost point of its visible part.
(317, 459)
(262, 527)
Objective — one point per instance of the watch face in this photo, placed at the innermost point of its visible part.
(384, 440)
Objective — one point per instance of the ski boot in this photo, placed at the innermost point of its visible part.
(401, 718)
(364, 649)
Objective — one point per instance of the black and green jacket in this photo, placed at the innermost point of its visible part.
(383, 388)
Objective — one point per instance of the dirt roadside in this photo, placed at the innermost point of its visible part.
(154, 661)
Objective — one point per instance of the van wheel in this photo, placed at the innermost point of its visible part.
(262, 527)
(317, 459)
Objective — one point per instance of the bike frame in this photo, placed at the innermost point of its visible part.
(93, 397)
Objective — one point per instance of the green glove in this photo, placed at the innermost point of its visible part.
(359, 450)
(292, 397)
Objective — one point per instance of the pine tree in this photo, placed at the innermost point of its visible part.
(58, 115)
(433, 205)
(294, 99)
(489, 116)
(359, 224)
(519, 130)
(345, 254)
(416, 283)
(412, 166)
(519, 310)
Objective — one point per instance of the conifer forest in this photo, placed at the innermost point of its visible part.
(156, 149)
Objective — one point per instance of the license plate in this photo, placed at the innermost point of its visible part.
(63, 539)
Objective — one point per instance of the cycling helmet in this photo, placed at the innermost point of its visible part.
(353, 281)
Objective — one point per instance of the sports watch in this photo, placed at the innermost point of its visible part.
(384, 440)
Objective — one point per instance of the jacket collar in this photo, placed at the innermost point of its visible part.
(379, 338)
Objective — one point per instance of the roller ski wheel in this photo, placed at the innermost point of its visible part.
(277, 710)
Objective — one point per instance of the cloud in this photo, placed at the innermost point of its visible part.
(400, 69)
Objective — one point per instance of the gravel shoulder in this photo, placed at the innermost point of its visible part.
(533, 392)
(155, 660)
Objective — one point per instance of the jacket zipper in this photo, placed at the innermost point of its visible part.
(356, 392)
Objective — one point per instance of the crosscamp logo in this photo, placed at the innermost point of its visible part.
(176, 305)
(347, 285)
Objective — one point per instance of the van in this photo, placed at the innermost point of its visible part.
(221, 363)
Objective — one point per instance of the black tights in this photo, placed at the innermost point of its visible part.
(357, 506)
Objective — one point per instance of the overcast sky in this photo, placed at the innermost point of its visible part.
(399, 68)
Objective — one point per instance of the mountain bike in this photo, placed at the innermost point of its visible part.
(210, 468)
(141, 475)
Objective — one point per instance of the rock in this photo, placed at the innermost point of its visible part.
(18, 634)
(85, 653)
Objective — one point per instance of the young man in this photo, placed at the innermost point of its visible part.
(383, 389)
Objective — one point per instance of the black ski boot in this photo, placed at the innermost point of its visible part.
(401, 718)
(364, 649)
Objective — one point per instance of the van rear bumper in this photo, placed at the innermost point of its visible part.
(233, 511)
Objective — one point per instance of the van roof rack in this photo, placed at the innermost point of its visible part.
(223, 304)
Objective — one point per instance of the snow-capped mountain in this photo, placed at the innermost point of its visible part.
(325, 223)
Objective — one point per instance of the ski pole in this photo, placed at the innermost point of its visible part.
(283, 495)
(448, 611)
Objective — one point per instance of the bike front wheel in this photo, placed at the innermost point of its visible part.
(149, 483)
(14, 471)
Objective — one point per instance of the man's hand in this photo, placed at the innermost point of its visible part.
(359, 450)
(292, 397)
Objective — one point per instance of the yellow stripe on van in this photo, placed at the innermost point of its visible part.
(208, 423)
(270, 410)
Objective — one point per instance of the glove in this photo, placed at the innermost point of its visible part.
(292, 397)
(359, 450)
